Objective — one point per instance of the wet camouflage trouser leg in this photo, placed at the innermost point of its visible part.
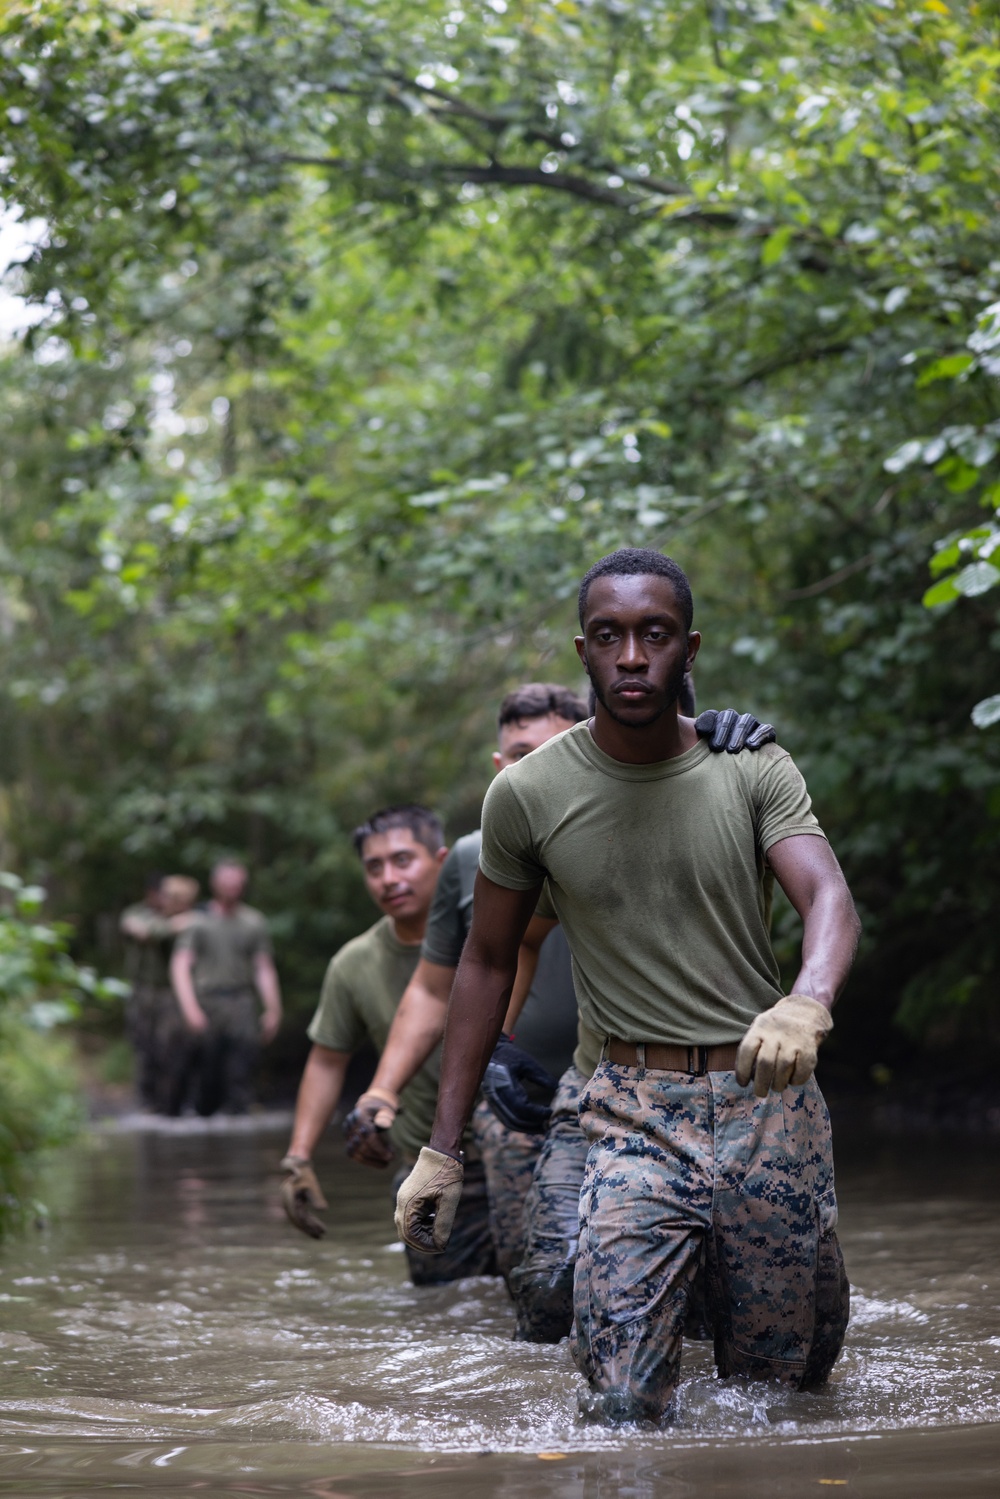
(174, 1051)
(509, 1158)
(227, 1053)
(144, 1005)
(683, 1168)
(470, 1248)
(542, 1284)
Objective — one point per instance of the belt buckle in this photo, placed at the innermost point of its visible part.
(701, 1053)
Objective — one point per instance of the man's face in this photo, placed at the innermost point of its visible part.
(228, 883)
(635, 647)
(178, 894)
(519, 739)
(400, 873)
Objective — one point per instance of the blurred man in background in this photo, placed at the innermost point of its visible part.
(222, 971)
(401, 851)
(529, 716)
(149, 928)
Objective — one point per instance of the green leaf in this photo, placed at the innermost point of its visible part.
(776, 244)
(977, 578)
(943, 592)
(945, 369)
(987, 712)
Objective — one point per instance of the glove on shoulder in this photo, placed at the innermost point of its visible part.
(782, 1044)
(427, 1201)
(300, 1194)
(509, 1068)
(367, 1127)
(725, 729)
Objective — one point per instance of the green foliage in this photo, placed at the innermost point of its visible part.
(369, 326)
(40, 987)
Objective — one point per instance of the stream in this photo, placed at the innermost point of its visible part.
(169, 1333)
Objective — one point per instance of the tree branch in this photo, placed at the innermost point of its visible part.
(814, 589)
(503, 176)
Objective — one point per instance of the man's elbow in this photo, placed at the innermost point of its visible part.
(491, 969)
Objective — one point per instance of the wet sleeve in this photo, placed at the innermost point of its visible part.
(444, 937)
(262, 938)
(783, 806)
(507, 857)
(187, 940)
(154, 928)
(336, 1023)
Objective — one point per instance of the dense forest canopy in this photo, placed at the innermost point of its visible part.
(367, 327)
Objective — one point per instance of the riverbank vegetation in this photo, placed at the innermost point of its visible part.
(364, 328)
(41, 988)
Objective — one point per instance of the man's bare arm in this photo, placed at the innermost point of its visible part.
(806, 868)
(319, 1094)
(151, 928)
(479, 1001)
(539, 928)
(417, 1026)
(269, 989)
(419, 1022)
(181, 964)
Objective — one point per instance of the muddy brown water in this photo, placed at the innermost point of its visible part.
(170, 1334)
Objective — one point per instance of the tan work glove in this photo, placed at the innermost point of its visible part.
(300, 1193)
(367, 1127)
(781, 1046)
(427, 1201)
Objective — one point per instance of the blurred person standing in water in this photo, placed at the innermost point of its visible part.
(401, 851)
(222, 970)
(172, 1039)
(149, 928)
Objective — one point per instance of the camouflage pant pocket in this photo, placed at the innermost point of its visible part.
(827, 1211)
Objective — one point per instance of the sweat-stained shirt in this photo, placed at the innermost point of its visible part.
(547, 1025)
(147, 962)
(658, 875)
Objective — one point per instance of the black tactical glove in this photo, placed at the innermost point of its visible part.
(725, 729)
(367, 1128)
(300, 1194)
(503, 1088)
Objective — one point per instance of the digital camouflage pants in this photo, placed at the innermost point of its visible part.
(225, 1055)
(162, 1045)
(509, 1158)
(686, 1173)
(542, 1282)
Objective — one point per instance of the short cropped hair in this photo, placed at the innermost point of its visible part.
(632, 562)
(426, 827)
(538, 700)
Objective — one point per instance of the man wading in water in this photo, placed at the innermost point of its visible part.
(655, 851)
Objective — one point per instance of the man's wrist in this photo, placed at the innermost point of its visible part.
(388, 1084)
(447, 1145)
(824, 997)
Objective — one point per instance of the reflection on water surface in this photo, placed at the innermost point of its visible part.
(171, 1332)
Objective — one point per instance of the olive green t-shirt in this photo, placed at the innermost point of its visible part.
(657, 873)
(361, 992)
(147, 959)
(224, 948)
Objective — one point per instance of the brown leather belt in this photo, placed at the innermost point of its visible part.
(658, 1057)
